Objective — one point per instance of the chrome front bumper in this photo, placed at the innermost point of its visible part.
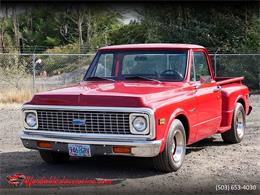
(139, 148)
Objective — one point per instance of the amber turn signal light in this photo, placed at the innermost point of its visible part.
(43, 144)
(122, 149)
(161, 121)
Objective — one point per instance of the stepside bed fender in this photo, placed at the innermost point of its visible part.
(229, 100)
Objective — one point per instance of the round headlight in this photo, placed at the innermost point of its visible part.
(140, 123)
(31, 119)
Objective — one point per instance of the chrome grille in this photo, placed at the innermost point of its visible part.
(95, 122)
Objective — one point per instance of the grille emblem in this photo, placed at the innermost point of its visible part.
(79, 122)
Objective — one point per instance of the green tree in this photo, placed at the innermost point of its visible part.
(134, 32)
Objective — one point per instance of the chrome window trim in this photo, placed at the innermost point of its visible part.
(141, 110)
(26, 126)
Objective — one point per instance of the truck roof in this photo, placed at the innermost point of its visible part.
(151, 46)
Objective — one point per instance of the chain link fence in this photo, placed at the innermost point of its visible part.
(40, 72)
(232, 65)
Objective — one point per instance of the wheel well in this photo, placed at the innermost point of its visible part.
(185, 123)
(241, 101)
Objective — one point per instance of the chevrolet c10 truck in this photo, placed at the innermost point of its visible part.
(142, 100)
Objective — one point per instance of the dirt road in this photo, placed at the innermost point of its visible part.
(207, 164)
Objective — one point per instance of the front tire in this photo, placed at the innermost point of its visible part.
(54, 157)
(171, 159)
(237, 131)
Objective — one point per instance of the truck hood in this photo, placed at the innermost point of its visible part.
(111, 94)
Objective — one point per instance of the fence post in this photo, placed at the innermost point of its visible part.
(34, 65)
(259, 79)
(215, 62)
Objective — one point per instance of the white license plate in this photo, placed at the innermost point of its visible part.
(79, 150)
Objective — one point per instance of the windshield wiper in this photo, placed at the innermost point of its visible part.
(95, 78)
(140, 77)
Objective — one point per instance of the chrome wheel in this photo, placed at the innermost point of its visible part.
(178, 147)
(240, 125)
(237, 131)
(172, 157)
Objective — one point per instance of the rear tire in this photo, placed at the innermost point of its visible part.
(171, 159)
(237, 131)
(54, 157)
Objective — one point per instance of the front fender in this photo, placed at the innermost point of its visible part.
(177, 112)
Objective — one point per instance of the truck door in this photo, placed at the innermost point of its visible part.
(207, 94)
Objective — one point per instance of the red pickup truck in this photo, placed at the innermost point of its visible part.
(144, 100)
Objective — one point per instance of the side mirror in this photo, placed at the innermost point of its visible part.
(205, 79)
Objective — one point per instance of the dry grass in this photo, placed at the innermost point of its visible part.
(15, 96)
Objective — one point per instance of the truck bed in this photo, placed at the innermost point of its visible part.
(228, 80)
(232, 90)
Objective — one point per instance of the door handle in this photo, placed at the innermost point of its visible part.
(217, 89)
(196, 86)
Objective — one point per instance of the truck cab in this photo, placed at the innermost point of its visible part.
(144, 100)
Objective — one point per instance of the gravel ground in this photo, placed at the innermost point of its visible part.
(208, 163)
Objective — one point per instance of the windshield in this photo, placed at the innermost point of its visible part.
(149, 65)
